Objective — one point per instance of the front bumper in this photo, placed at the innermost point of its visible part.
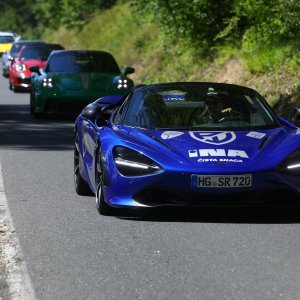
(174, 189)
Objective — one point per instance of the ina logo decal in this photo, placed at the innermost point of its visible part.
(215, 137)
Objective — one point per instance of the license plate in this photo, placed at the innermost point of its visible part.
(221, 181)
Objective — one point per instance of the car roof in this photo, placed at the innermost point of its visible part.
(70, 52)
(52, 47)
(84, 51)
(39, 45)
(215, 85)
(29, 42)
(6, 33)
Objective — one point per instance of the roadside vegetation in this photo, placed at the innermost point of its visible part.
(253, 42)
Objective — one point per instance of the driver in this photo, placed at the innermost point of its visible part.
(217, 108)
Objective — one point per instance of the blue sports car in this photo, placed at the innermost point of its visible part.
(186, 144)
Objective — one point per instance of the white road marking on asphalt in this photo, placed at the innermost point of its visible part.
(17, 278)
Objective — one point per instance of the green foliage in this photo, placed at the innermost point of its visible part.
(196, 22)
(269, 23)
(272, 59)
(264, 59)
(208, 23)
(44, 15)
(13, 17)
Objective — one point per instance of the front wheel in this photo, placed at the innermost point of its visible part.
(81, 186)
(102, 207)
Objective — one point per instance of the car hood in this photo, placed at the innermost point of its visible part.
(5, 47)
(81, 81)
(256, 149)
(33, 62)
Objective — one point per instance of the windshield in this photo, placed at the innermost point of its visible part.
(72, 62)
(6, 39)
(198, 106)
(41, 53)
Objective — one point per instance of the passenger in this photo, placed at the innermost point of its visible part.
(156, 111)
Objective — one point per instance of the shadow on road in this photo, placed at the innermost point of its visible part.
(19, 130)
(251, 215)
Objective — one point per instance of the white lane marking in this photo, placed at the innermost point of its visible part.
(17, 278)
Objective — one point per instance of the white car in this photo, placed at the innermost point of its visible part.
(6, 40)
(6, 47)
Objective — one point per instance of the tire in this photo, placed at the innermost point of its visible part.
(81, 186)
(15, 89)
(10, 86)
(32, 104)
(36, 115)
(102, 207)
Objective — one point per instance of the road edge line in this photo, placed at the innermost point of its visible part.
(17, 276)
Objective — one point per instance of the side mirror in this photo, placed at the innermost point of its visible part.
(97, 112)
(129, 70)
(35, 69)
(91, 111)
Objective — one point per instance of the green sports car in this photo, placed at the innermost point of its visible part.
(71, 79)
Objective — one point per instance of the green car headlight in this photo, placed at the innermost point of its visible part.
(132, 163)
(47, 83)
(291, 164)
(122, 83)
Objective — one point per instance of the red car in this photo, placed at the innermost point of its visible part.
(29, 55)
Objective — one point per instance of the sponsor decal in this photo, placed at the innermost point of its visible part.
(223, 160)
(193, 153)
(173, 98)
(256, 135)
(171, 134)
(174, 95)
(218, 155)
(215, 138)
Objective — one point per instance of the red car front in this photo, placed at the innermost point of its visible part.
(19, 73)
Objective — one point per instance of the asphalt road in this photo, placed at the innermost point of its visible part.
(71, 252)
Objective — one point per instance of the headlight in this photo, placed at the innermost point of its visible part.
(123, 83)
(133, 163)
(291, 164)
(47, 83)
(20, 68)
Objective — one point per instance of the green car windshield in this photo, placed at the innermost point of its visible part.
(67, 62)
